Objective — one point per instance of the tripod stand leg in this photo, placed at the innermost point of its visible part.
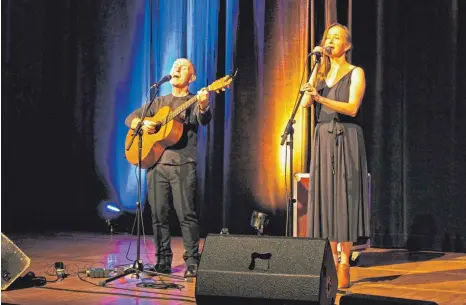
(137, 273)
(152, 273)
(116, 277)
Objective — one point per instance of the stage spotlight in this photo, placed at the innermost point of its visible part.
(259, 221)
(117, 219)
(112, 208)
(109, 210)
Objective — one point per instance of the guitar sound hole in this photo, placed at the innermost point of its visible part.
(157, 126)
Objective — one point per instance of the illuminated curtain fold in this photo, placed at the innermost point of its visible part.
(285, 54)
(268, 44)
(281, 31)
(127, 81)
(231, 20)
(330, 12)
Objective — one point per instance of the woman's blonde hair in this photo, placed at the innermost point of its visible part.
(325, 61)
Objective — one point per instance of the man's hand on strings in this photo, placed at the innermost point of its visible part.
(149, 126)
(203, 99)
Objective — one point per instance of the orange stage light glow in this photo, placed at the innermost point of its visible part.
(284, 65)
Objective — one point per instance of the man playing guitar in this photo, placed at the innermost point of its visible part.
(173, 176)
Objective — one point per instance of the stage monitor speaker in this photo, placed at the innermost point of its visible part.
(14, 262)
(244, 269)
(366, 299)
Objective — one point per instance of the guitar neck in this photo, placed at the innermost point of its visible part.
(180, 109)
(218, 85)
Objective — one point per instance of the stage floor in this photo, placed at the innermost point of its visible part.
(430, 276)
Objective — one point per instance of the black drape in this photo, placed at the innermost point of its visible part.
(413, 114)
(49, 69)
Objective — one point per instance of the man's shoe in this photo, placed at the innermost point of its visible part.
(163, 268)
(191, 271)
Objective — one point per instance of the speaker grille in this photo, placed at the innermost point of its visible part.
(14, 262)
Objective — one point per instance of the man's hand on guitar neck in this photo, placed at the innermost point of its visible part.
(148, 126)
(203, 100)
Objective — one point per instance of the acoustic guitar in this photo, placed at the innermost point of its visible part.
(168, 131)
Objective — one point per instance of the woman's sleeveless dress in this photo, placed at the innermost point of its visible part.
(338, 206)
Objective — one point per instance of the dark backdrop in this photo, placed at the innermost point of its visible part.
(413, 117)
(414, 122)
(48, 81)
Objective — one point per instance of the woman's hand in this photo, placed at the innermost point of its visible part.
(310, 94)
(310, 90)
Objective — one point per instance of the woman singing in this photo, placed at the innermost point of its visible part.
(338, 194)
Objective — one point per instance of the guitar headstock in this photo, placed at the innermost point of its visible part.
(222, 83)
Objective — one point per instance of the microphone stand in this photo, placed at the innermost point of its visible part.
(138, 266)
(288, 133)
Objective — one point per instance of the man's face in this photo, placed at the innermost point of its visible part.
(182, 73)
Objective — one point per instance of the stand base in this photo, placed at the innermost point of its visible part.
(138, 273)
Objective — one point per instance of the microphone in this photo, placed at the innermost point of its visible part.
(319, 51)
(164, 79)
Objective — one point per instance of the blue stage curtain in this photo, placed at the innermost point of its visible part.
(122, 89)
(232, 14)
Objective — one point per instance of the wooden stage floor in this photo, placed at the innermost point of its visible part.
(430, 276)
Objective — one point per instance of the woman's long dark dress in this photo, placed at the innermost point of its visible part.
(338, 206)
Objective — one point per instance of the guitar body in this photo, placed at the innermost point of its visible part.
(153, 145)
